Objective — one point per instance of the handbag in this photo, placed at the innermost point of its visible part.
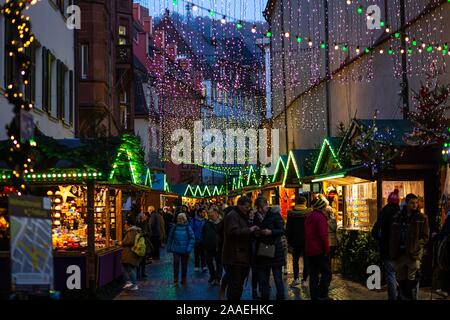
(266, 250)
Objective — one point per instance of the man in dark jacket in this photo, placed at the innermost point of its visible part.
(409, 234)
(199, 254)
(168, 220)
(382, 232)
(272, 229)
(158, 232)
(221, 232)
(210, 239)
(317, 250)
(237, 247)
(295, 232)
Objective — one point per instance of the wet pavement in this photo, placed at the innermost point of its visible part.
(160, 286)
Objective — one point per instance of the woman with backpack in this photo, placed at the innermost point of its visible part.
(130, 260)
(180, 243)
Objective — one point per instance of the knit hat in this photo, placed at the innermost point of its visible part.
(319, 204)
(394, 197)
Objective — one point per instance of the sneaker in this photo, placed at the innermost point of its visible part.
(204, 269)
(196, 269)
(295, 283)
(127, 285)
(134, 288)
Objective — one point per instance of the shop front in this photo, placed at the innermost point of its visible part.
(300, 164)
(89, 202)
(352, 196)
(86, 227)
(271, 186)
(358, 192)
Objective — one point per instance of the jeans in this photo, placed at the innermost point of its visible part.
(236, 280)
(183, 259)
(129, 273)
(391, 280)
(320, 276)
(156, 243)
(214, 266)
(199, 255)
(296, 253)
(264, 280)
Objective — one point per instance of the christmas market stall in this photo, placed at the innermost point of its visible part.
(270, 188)
(358, 172)
(194, 194)
(251, 183)
(162, 194)
(91, 186)
(300, 164)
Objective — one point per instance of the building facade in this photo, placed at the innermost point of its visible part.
(104, 53)
(51, 88)
(147, 118)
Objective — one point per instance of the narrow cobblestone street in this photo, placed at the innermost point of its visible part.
(160, 287)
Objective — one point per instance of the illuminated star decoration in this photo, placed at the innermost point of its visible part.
(65, 192)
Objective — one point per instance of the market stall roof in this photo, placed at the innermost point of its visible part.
(300, 164)
(200, 191)
(264, 176)
(328, 159)
(349, 176)
(399, 128)
(238, 182)
(280, 169)
(117, 160)
(251, 178)
(159, 182)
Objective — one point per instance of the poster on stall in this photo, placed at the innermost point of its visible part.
(31, 244)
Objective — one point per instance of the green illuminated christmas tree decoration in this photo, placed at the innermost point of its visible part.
(129, 165)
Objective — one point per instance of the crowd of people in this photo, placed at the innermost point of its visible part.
(251, 240)
(234, 243)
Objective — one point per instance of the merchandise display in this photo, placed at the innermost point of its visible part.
(69, 217)
(360, 202)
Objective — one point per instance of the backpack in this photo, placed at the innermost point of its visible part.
(139, 246)
(444, 254)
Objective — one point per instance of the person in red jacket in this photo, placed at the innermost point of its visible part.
(317, 250)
